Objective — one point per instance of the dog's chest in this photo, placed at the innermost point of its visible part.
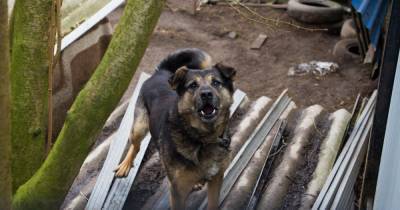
(212, 160)
(206, 159)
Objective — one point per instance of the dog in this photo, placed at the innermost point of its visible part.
(185, 105)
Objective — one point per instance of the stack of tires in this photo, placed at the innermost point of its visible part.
(347, 49)
(328, 13)
(315, 11)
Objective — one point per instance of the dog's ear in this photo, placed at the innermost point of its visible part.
(226, 71)
(178, 78)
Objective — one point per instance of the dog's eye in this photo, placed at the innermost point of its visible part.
(216, 83)
(193, 86)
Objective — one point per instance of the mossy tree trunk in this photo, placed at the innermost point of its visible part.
(29, 84)
(47, 188)
(5, 129)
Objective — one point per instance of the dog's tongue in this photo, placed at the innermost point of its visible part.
(208, 109)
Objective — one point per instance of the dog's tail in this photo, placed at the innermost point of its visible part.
(192, 58)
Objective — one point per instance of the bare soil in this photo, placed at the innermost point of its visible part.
(261, 72)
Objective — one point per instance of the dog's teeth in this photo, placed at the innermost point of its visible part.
(202, 112)
(213, 112)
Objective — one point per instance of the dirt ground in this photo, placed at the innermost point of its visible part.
(261, 72)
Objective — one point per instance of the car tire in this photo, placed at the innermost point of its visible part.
(348, 29)
(347, 50)
(315, 11)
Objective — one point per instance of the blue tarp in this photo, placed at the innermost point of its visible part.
(373, 14)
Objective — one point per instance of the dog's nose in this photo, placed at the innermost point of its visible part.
(206, 95)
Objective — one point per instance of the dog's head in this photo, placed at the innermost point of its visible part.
(204, 95)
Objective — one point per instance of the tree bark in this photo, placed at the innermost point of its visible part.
(29, 73)
(47, 188)
(5, 128)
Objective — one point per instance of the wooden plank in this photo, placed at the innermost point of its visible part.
(248, 149)
(115, 152)
(330, 187)
(344, 164)
(238, 97)
(328, 183)
(347, 184)
(327, 194)
(258, 42)
(156, 201)
(357, 109)
(89, 23)
(262, 178)
(121, 186)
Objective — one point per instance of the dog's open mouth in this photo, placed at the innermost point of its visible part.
(208, 112)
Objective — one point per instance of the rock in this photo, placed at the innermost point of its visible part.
(232, 35)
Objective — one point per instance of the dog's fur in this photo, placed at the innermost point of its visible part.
(185, 105)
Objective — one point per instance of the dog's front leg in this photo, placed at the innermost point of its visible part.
(214, 188)
(180, 186)
(178, 197)
(139, 130)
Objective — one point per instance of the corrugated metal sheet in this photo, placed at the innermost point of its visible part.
(388, 186)
(373, 14)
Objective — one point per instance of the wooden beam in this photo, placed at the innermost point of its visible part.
(89, 23)
(343, 163)
(115, 152)
(262, 178)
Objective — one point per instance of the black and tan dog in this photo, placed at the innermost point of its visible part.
(185, 105)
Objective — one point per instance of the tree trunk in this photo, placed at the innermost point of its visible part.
(47, 188)
(5, 128)
(29, 84)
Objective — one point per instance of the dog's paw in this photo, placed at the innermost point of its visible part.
(198, 186)
(123, 169)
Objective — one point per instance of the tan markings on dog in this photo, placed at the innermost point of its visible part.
(179, 76)
(214, 187)
(209, 78)
(186, 104)
(181, 186)
(207, 62)
(139, 130)
(195, 122)
(198, 78)
(226, 98)
(223, 94)
(186, 148)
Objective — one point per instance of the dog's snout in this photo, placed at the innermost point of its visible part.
(206, 95)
